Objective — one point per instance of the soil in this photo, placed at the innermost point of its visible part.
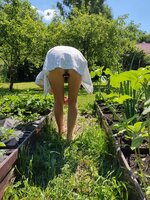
(125, 147)
(145, 166)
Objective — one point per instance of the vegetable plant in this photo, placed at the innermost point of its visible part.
(25, 107)
(131, 91)
(5, 133)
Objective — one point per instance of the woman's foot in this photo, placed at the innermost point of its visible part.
(63, 130)
(71, 137)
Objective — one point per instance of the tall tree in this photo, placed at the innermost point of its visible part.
(91, 7)
(102, 41)
(21, 37)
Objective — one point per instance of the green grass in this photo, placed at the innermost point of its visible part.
(20, 86)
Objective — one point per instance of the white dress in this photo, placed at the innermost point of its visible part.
(65, 57)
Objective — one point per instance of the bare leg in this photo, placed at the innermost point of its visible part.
(74, 82)
(57, 83)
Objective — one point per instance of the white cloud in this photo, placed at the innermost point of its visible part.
(47, 14)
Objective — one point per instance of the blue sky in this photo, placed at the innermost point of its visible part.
(137, 10)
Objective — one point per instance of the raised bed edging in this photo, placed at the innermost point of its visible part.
(136, 192)
(7, 165)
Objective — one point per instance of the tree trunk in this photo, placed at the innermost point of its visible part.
(11, 86)
(11, 83)
(12, 78)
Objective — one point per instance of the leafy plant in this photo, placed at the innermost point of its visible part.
(2, 152)
(26, 107)
(2, 144)
(5, 133)
(131, 90)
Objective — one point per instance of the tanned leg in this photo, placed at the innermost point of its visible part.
(74, 82)
(56, 80)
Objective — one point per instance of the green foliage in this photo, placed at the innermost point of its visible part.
(138, 78)
(2, 145)
(130, 89)
(22, 36)
(56, 34)
(25, 39)
(2, 152)
(26, 107)
(5, 133)
(90, 6)
(135, 58)
(102, 41)
(145, 37)
(131, 85)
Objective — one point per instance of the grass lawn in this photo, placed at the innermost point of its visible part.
(86, 169)
(20, 86)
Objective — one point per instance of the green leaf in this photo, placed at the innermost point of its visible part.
(136, 142)
(2, 144)
(146, 111)
(108, 72)
(92, 74)
(148, 190)
(147, 103)
(137, 127)
(121, 99)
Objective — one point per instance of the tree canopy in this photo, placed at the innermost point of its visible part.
(91, 7)
(25, 39)
(22, 33)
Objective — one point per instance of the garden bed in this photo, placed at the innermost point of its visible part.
(125, 154)
(10, 152)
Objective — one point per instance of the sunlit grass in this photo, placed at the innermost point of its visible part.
(20, 86)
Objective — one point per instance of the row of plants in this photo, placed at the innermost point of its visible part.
(126, 96)
(84, 169)
(21, 109)
(25, 107)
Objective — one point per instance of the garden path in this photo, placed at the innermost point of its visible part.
(84, 120)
